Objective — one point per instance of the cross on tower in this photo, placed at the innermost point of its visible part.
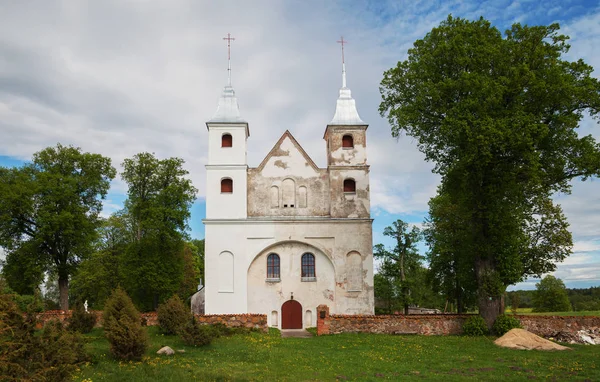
(229, 39)
(342, 41)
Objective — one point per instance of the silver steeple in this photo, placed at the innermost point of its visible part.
(228, 110)
(345, 110)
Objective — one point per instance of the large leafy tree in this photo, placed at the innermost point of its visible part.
(551, 296)
(49, 209)
(158, 208)
(498, 117)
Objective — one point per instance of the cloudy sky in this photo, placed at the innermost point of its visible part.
(120, 77)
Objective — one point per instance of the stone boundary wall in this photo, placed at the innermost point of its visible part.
(441, 324)
(250, 321)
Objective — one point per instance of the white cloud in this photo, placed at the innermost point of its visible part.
(120, 77)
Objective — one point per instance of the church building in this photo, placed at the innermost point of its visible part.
(288, 235)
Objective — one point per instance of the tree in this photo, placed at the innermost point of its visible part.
(49, 210)
(497, 115)
(97, 275)
(449, 273)
(551, 296)
(191, 272)
(158, 205)
(404, 260)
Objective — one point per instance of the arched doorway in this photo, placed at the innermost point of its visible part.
(291, 315)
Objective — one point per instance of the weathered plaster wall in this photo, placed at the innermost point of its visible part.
(270, 295)
(254, 238)
(287, 161)
(349, 205)
(343, 156)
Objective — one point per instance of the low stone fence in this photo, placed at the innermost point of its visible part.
(550, 326)
(441, 324)
(250, 321)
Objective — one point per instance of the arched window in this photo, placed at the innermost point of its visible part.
(308, 267)
(288, 193)
(226, 186)
(273, 266)
(302, 197)
(225, 272)
(274, 197)
(354, 272)
(226, 140)
(349, 185)
(347, 141)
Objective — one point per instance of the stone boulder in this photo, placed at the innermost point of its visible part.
(165, 350)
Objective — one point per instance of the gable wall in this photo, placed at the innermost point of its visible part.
(286, 168)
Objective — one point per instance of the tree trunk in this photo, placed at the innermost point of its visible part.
(490, 301)
(490, 309)
(63, 288)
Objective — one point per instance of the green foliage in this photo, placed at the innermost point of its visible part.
(451, 274)
(122, 327)
(194, 334)
(172, 315)
(475, 326)
(498, 117)
(49, 213)
(551, 296)
(191, 271)
(158, 209)
(53, 355)
(401, 266)
(514, 303)
(505, 323)
(27, 303)
(80, 320)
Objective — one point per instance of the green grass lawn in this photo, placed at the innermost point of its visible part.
(258, 357)
(529, 311)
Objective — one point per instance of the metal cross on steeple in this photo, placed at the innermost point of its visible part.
(342, 42)
(229, 39)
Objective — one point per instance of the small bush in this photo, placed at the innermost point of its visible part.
(194, 334)
(172, 315)
(475, 326)
(29, 303)
(121, 320)
(53, 355)
(81, 321)
(505, 323)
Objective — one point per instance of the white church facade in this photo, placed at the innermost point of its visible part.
(287, 236)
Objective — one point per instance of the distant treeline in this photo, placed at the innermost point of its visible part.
(581, 299)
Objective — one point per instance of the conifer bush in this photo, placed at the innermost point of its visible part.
(80, 320)
(53, 355)
(475, 326)
(122, 327)
(505, 323)
(172, 315)
(194, 334)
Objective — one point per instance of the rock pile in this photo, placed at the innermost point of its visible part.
(586, 336)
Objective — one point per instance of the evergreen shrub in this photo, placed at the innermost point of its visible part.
(122, 327)
(194, 334)
(475, 326)
(172, 315)
(505, 323)
(53, 355)
(81, 321)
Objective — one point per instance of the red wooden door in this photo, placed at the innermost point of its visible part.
(291, 315)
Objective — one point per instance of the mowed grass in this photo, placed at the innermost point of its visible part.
(529, 311)
(363, 357)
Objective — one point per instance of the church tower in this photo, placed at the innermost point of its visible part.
(347, 156)
(226, 180)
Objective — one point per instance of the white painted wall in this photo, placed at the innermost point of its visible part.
(227, 155)
(226, 205)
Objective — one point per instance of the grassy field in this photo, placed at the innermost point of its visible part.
(580, 313)
(258, 357)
